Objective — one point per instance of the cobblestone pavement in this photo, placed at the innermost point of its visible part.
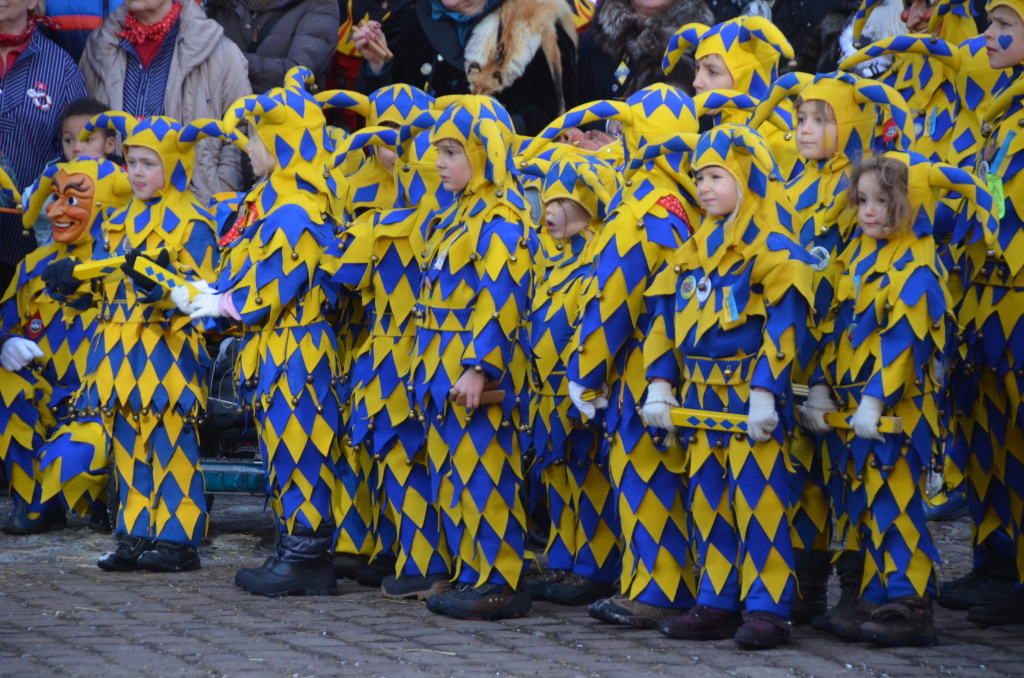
(62, 616)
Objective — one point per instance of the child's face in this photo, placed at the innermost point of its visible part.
(873, 209)
(712, 74)
(717, 191)
(145, 171)
(1004, 38)
(263, 161)
(99, 145)
(564, 218)
(453, 165)
(816, 132)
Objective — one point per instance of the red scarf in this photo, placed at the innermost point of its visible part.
(11, 40)
(137, 34)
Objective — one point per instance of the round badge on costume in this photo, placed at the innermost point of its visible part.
(703, 289)
(983, 170)
(990, 150)
(688, 287)
(426, 69)
(821, 258)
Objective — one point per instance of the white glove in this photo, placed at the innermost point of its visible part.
(761, 416)
(819, 403)
(935, 483)
(865, 419)
(587, 408)
(181, 298)
(657, 409)
(18, 352)
(939, 371)
(205, 305)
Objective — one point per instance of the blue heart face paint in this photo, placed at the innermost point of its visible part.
(1004, 38)
(1005, 41)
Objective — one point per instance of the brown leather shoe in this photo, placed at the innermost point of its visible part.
(763, 631)
(847, 626)
(903, 622)
(536, 584)
(703, 623)
(577, 590)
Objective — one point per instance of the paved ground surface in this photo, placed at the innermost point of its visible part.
(62, 616)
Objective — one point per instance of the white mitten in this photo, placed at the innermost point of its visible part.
(761, 416)
(865, 419)
(182, 299)
(935, 483)
(657, 409)
(18, 352)
(939, 370)
(819, 403)
(205, 306)
(587, 408)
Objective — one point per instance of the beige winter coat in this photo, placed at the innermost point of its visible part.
(208, 74)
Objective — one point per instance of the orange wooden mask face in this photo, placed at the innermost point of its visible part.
(70, 207)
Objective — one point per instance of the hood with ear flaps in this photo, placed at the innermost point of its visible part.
(588, 183)
(485, 130)
(855, 102)
(751, 47)
(398, 104)
(291, 124)
(649, 117)
(1016, 5)
(168, 138)
(111, 189)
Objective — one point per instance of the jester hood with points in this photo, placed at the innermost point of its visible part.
(291, 124)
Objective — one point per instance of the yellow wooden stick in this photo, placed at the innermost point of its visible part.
(161, 276)
(100, 268)
(737, 423)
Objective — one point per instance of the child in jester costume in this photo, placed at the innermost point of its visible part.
(731, 310)
(34, 400)
(272, 284)
(147, 367)
(583, 547)
(884, 357)
(647, 221)
(741, 55)
(469, 366)
(837, 119)
(993, 353)
(381, 258)
(365, 532)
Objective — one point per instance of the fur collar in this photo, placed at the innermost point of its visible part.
(619, 32)
(505, 41)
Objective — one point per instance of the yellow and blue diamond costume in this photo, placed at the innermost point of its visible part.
(649, 218)
(752, 48)
(34, 401)
(990, 406)
(273, 275)
(924, 71)
(732, 308)
(889, 329)
(584, 534)
(471, 311)
(824, 223)
(370, 189)
(147, 368)
(380, 258)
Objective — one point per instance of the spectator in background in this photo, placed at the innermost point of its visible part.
(37, 80)
(478, 46)
(626, 40)
(76, 19)
(276, 35)
(161, 57)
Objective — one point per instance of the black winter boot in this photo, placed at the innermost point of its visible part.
(302, 566)
(20, 524)
(125, 557)
(990, 583)
(169, 556)
(850, 568)
(812, 572)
